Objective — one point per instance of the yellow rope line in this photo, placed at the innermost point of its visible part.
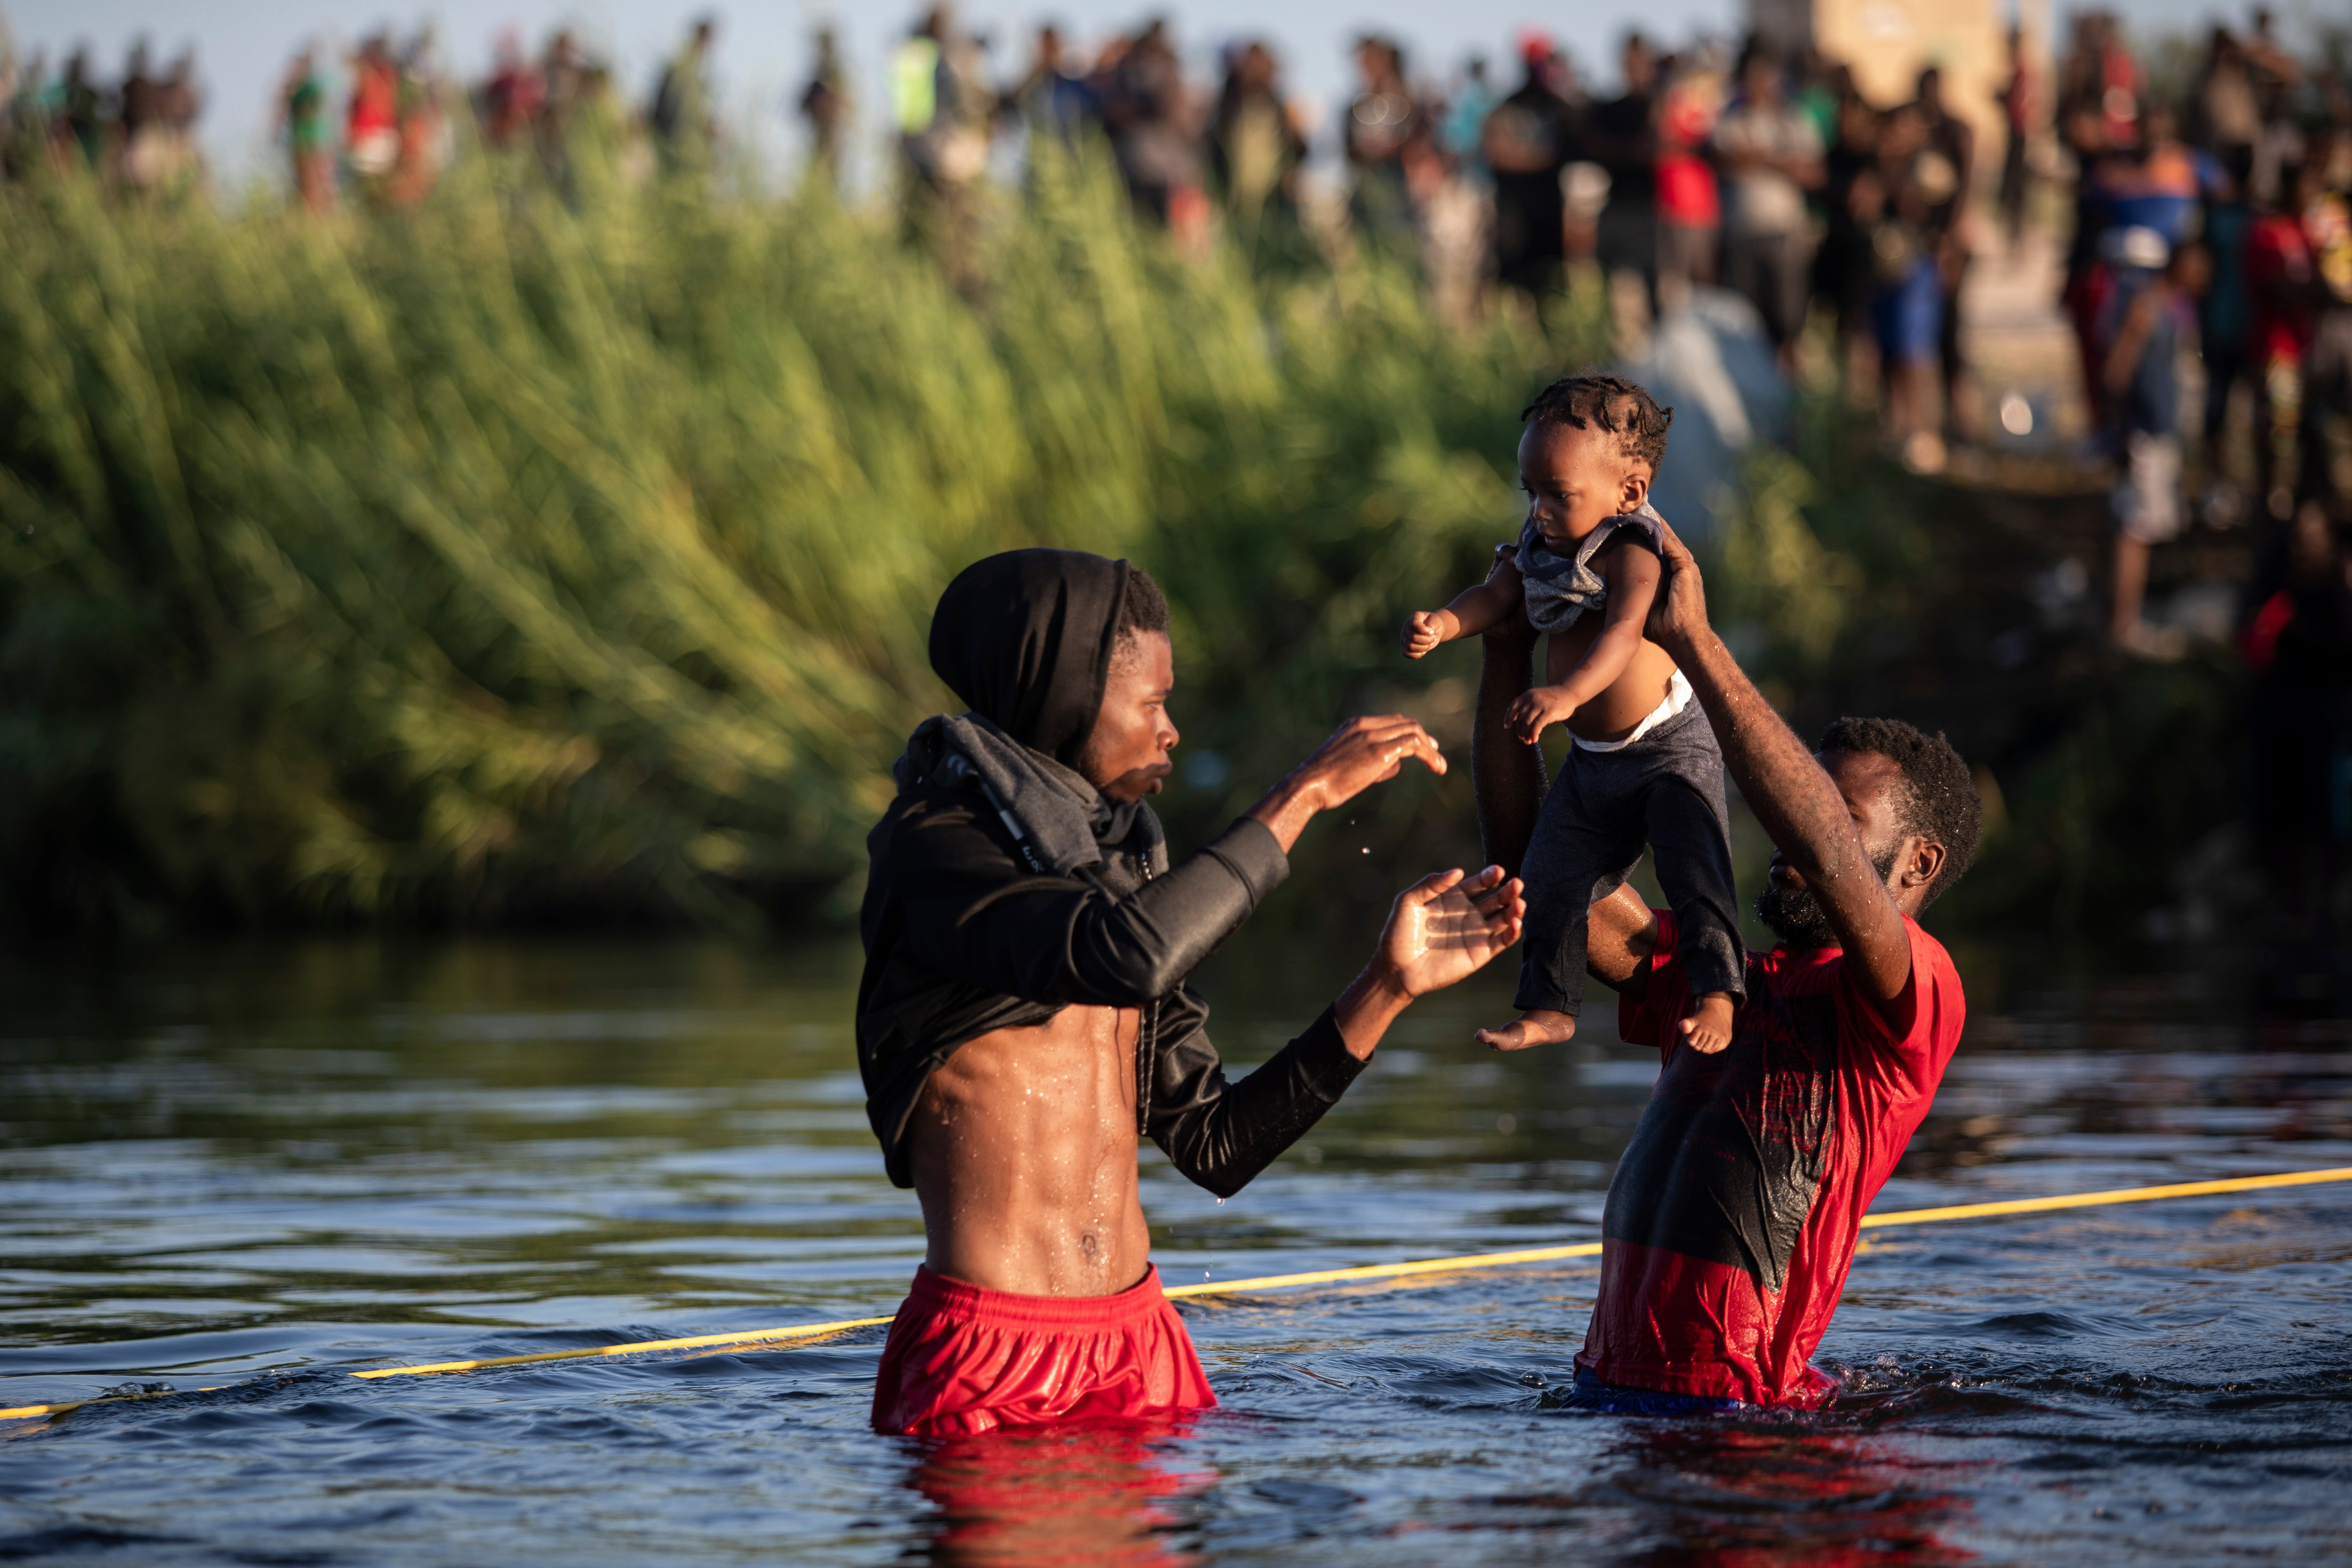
(2118, 1195)
(1317, 1276)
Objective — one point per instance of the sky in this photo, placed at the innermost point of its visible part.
(763, 52)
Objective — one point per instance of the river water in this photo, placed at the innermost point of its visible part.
(262, 1167)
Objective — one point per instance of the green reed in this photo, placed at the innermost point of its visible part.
(519, 556)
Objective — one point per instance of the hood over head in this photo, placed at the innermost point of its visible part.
(1026, 638)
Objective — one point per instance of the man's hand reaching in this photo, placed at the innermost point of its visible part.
(1443, 929)
(1359, 754)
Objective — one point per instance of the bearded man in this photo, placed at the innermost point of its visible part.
(1732, 1218)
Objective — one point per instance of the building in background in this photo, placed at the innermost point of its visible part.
(1889, 42)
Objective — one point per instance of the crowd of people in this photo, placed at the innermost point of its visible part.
(2207, 280)
(139, 134)
(2210, 235)
(2207, 271)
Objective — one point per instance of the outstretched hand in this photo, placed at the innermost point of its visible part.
(1359, 754)
(1444, 929)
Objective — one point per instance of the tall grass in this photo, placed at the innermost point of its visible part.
(512, 557)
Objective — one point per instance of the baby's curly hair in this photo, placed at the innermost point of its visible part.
(1610, 403)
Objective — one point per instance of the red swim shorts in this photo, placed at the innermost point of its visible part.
(962, 1360)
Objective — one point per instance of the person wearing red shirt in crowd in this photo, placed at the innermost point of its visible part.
(2285, 285)
(1733, 1215)
(1690, 203)
(372, 126)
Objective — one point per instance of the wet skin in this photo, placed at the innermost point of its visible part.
(1023, 1142)
(1832, 817)
(1603, 674)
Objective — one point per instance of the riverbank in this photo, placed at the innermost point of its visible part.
(510, 563)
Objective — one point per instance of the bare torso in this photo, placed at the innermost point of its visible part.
(1625, 703)
(1023, 1146)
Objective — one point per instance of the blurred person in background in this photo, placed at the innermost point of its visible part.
(2018, 108)
(1054, 97)
(1818, 85)
(944, 112)
(302, 120)
(2283, 283)
(2100, 76)
(1909, 182)
(371, 120)
(2155, 286)
(2101, 168)
(1844, 269)
(81, 113)
(181, 103)
(1150, 112)
(681, 115)
(1465, 129)
(1771, 157)
(825, 107)
(1528, 140)
(1382, 118)
(1690, 203)
(1255, 146)
(1620, 135)
(2326, 443)
(2225, 320)
(2164, 184)
(1947, 175)
(507, 105)
(2275, 74)
(426, 143)
(139, 121)
(571, 90)
(2229, 109)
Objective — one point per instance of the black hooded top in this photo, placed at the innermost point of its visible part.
(964, 934)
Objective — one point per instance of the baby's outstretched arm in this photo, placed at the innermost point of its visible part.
(1633, 575)
(1472, 611)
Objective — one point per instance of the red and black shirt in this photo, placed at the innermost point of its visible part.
(1734, 1213)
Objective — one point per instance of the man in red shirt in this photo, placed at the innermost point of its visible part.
(1732, 1218)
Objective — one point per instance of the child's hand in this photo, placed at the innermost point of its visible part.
(1533, 711)
(1424, 629)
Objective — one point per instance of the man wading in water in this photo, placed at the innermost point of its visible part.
(1731, 1220)
(1023, 1015)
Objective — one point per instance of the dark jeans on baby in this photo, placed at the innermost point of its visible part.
(1665, 790)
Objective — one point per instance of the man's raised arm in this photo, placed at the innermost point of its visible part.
(1800, 808)
(1507, 774)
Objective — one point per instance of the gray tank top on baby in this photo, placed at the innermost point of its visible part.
(1559, 588)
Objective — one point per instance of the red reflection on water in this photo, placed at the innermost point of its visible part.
(1091, 1493)
(1780, 1497)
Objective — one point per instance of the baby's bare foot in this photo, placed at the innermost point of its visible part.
(1536, 1027)
(1706, 1028)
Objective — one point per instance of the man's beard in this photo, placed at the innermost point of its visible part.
(1795, 916)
